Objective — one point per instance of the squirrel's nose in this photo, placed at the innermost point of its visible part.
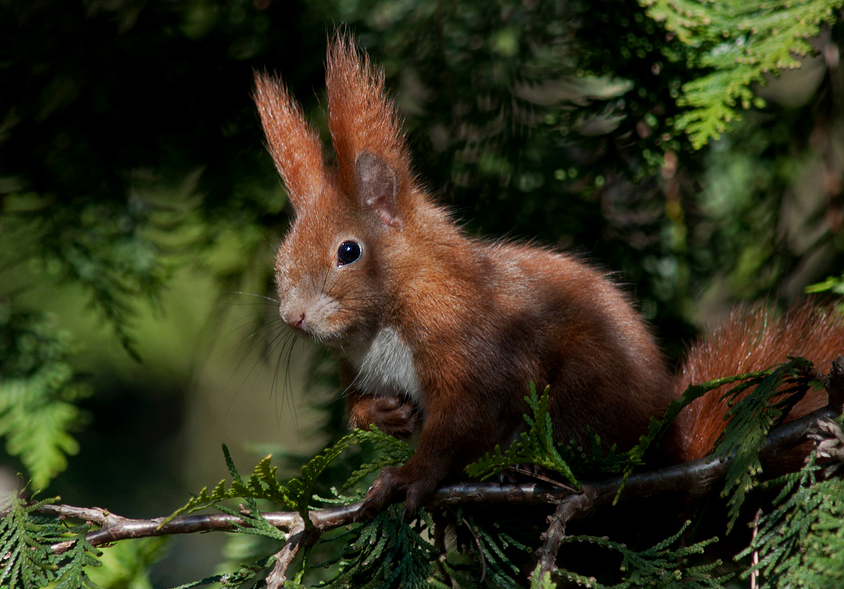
(294, 318)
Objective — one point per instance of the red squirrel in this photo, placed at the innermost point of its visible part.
(431, 325)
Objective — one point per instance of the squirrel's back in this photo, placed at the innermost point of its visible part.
(509, 314)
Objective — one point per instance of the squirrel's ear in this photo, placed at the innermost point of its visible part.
(375, 185)
(295, 147)
(372, 160)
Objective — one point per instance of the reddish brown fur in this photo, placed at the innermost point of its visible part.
(295, 147)
(428, 323)
(749, 341)
(360, 115)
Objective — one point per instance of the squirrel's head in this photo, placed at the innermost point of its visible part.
(333, 270)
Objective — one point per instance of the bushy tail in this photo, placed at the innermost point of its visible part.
(750, 340)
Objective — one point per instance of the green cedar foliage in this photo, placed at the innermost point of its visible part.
(798, 540)
(657, 566)
(833, 284)
(751, 419)
(657, 428)
(386, 553)
(103, 247)
(246, 576)
(297, 493)
(737, 44)
(28, 560)
(127, 564)
(535, 446)
(541, 582)
(38, 394)
(800, 543)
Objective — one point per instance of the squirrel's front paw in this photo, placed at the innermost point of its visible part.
(392, 415)
(392, 482)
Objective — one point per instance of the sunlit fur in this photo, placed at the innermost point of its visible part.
(468, 323)
(294, 145)
(751, 340)
(481, 319)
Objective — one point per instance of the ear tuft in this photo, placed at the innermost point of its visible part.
(376, 187)
(295, 147)
(365, 128)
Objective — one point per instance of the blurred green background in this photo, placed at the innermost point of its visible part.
(139, 210)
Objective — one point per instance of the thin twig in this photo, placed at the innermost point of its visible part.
(539, 477)
(754, 576)
(278, 576)
(480, 549)
(578, 504)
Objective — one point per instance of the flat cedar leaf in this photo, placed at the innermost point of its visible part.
(397, 449)
(38, 392)
(40, 438)
(738, 43)
(36, 420)
(264, 472)
(657, 566)
(543, 581)
(800, 542)
(385, 553)
(393, 451)
(240, 578)
(535, 446)
(110, 255)
(72, 574)
(297, 493)
(833, 283)
(25, 543)
(263, 483)
(301, 488)
(255, 524)
(750, 420)
(366, 470)
(127, 564)
(499, 568)
(203, 500)
(230, 464)
(658, 428)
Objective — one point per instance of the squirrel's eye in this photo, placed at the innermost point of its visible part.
(349, 252)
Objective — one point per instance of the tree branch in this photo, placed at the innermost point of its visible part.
(694, 477)
(278, 576)
(569, 508)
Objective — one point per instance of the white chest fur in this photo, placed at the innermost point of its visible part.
(385, 367)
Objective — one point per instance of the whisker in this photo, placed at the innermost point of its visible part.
(279, 333)
(252, 294)
(283, 358)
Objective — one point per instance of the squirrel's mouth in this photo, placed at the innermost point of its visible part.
(334, 340)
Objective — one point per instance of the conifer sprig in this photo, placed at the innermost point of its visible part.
(38, 394)
(534, 446)
(749, 421)
(739, 44)
(26, 554)
(657, 566)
